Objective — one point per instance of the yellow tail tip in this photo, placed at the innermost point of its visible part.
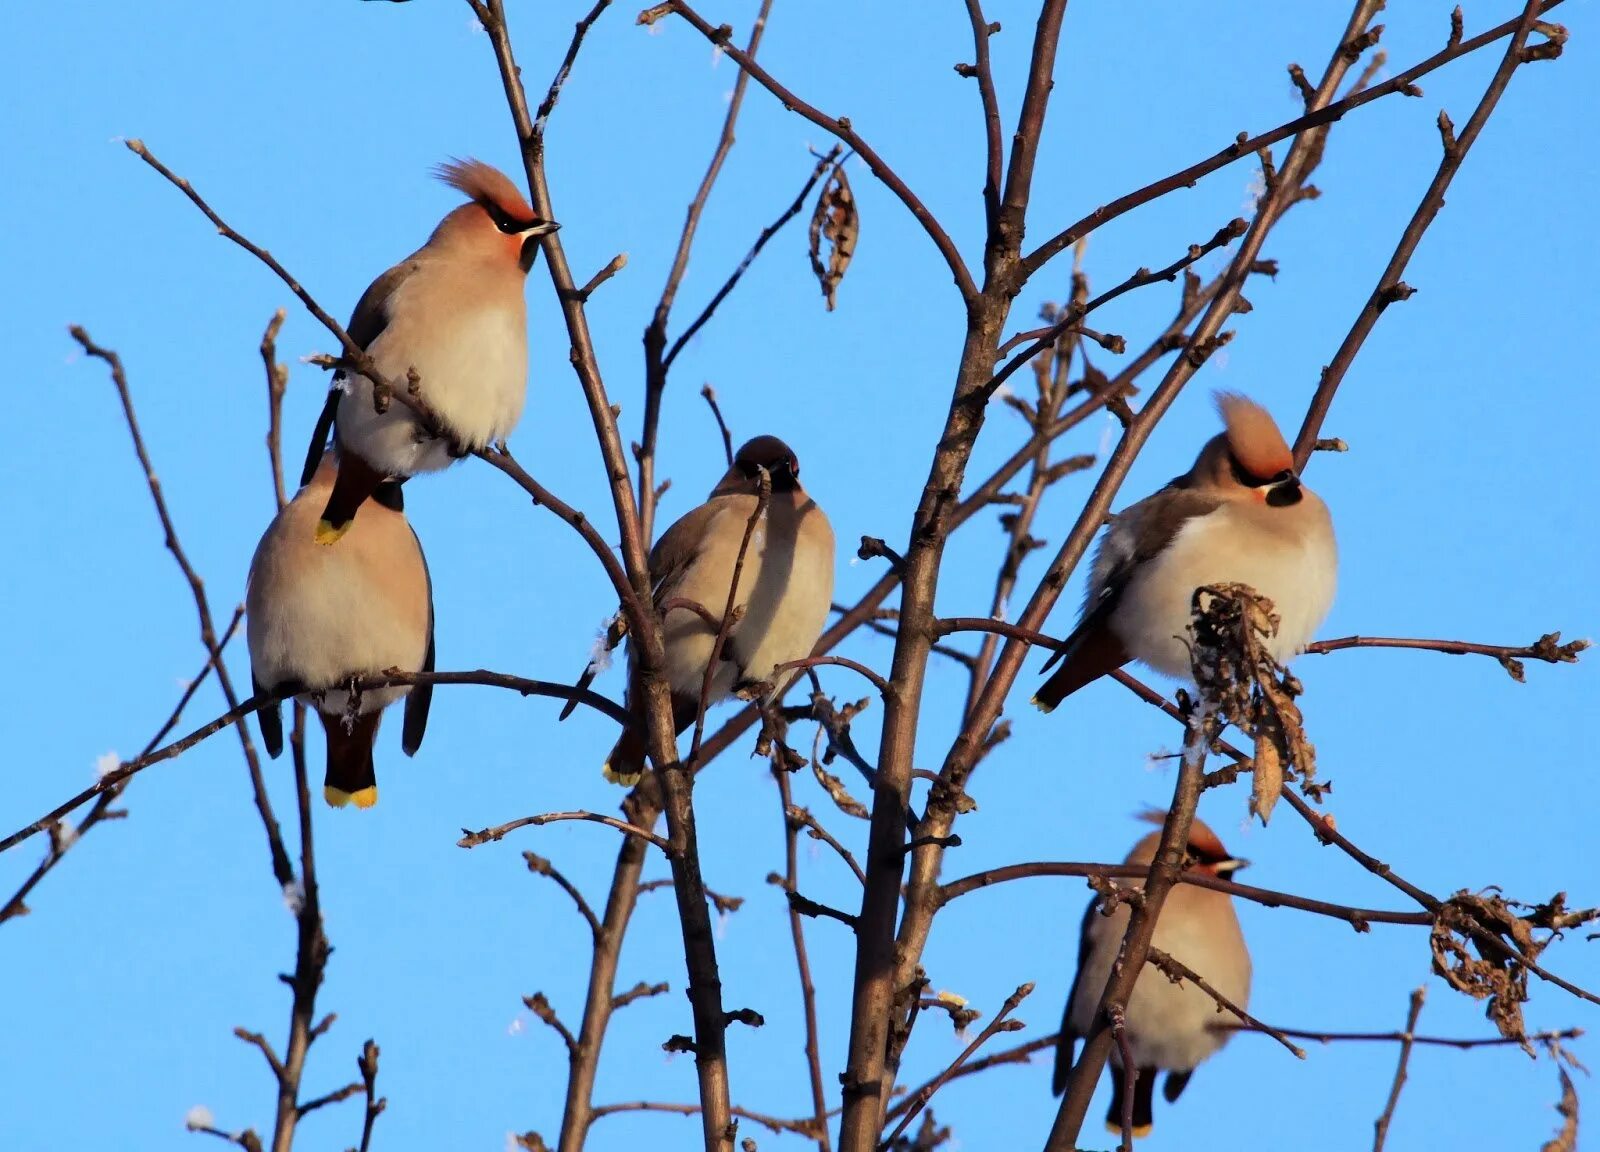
(1140, 1131)
(1046, 709)
(622, 779)
(361, 798)
(327, 533)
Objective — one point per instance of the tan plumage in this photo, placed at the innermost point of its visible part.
(1240, 515)
(320, 617)
(1170, 1027)
(784, 591)
(454, 311)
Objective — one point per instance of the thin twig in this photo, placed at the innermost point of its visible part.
(281, 868)
(1176, 970)
(102, 810)
(1016, 1055)
(837, 126)
(883, 686)
(1381, 1125)
(1245, 146)
(1461, 1043)
(797, 932)
(710, 395)
(803, 818)
(657, 360)
(541, 119)
(771, 1123)
(277, 384)
(714, 660)
(824, 162)
(1000, 1023)
(542, 867)
(367, 1062)
(1390, 287)
(471, 839)
(1359, 918)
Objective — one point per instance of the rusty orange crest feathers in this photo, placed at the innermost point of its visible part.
(1253, 436)
(485, 182)
(1203, 841)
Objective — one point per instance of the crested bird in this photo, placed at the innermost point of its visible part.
(781, 603)
(321, 618)
(1240, 515)
(454, 312)
(1168, 1026)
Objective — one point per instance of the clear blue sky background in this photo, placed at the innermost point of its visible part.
(1464, 509)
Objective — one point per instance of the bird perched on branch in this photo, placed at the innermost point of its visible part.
(320, 618)
(452, 311)
(781, 604)
(1169, 1026)
(1240, 515)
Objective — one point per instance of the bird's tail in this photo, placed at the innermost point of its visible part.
(1144, 1087)
(354, 482)
(1090, 652)
(351, 776)
(626, 763)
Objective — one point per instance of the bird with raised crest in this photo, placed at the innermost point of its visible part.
(1240, 515)
(452, 313)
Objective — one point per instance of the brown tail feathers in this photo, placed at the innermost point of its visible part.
(1144, 1087)
(351, 776)
(354, 482)
(626, 763)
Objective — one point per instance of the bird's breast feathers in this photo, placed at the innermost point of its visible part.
(1294, 564)
(470, 351)
(785, 589)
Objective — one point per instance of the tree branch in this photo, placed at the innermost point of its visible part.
(838, 127)
(1390, 287)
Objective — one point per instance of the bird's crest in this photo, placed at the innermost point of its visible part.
(1204, 844)
(488, 185)
(1253, 436)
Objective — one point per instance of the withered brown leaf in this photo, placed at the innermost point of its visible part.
(836, 221)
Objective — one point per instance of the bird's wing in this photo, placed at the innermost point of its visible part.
(679, 547)
(420, 698)
(671, 557)
(367, 322)
(270, 719)
(1141, 534)
(1067, 1045)
(1138, 535)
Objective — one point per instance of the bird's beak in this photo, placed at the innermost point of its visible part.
(530, 242)
(1231, 866)
(1287, 477)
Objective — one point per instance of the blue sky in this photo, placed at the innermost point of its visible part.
(1464, 509)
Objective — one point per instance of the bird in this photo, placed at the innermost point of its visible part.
(1169, 1027)
(1240, 515)
(784, 593)
(321, 618)
(454, 311)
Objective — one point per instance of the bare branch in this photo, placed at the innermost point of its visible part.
(1390, 287)
(542, 867)
(837, 126)
(1000, 1023)
(471, 839)
(1381, 1126)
